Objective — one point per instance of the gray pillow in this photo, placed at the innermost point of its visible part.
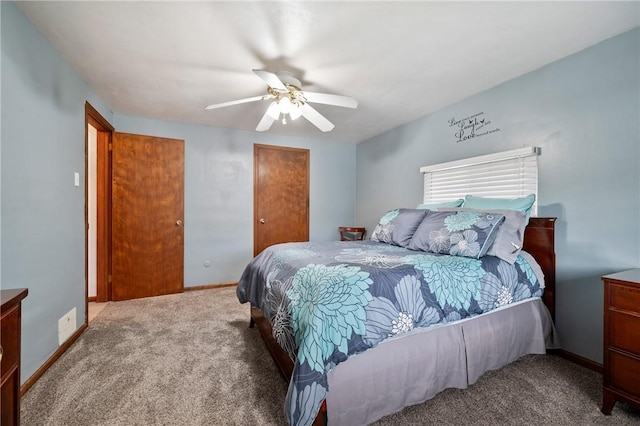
(397, 226)
(458, 233)
(510, 235)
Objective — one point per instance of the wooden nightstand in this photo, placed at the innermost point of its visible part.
(621, 380)
(352, 233)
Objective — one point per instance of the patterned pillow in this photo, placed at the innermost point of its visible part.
(509, 238)
(397, 226)
(460, 233)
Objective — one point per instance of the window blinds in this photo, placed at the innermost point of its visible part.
(509, 174)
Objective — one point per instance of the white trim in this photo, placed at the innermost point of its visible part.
(498, 156)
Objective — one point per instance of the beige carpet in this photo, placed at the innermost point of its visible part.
(190, 359)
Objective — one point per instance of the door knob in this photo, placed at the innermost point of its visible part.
(178, 222)
(262, 221)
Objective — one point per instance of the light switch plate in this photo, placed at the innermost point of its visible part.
(76, 178)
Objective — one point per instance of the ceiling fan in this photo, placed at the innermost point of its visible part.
(289, 99)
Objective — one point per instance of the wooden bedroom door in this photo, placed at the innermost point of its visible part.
(147, 216)
(281, 195)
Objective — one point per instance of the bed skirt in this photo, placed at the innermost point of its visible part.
(411, 369)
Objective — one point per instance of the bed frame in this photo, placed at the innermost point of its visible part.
(539, 241)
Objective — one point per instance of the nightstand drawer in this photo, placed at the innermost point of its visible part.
(625, 373)
(624, 297)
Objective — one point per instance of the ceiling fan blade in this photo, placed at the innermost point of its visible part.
(316, 118)
(268, 118)
(327, 99)
(271, 79)
(239, 101)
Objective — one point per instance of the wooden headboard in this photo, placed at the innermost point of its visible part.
(539, 241)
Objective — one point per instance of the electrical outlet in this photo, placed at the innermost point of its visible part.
(66, 326)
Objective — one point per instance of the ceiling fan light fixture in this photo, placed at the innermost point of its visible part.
(285, 105)
(288, 98)
(295, 112)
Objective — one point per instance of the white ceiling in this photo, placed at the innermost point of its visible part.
(400, 60)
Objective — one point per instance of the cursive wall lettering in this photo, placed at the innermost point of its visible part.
(473, 126)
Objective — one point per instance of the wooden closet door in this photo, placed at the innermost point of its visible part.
(147, 216)
(281, 195)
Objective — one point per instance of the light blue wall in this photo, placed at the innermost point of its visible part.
(219, 192)
(584, 112)
(42, 236)
(42, 211)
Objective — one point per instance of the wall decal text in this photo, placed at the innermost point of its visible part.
(474, 126)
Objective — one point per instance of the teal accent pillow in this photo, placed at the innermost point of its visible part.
(458, 233)
(444, 204)
(523, 204)
(397, 226)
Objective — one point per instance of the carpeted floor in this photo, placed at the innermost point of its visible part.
(190, 359)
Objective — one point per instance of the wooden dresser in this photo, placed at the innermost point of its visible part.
(10, 361)
(621, 380)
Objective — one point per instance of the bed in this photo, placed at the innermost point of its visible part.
(386, 336)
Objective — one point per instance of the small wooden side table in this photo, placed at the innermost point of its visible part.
(352, 233)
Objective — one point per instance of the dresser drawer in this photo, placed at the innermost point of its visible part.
(624, 331)
(625, 373)
(9, 403)
(9, 336)
(624, 297)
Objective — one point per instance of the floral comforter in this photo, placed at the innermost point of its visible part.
(328, 301)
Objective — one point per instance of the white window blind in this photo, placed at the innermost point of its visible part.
(509, 174)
